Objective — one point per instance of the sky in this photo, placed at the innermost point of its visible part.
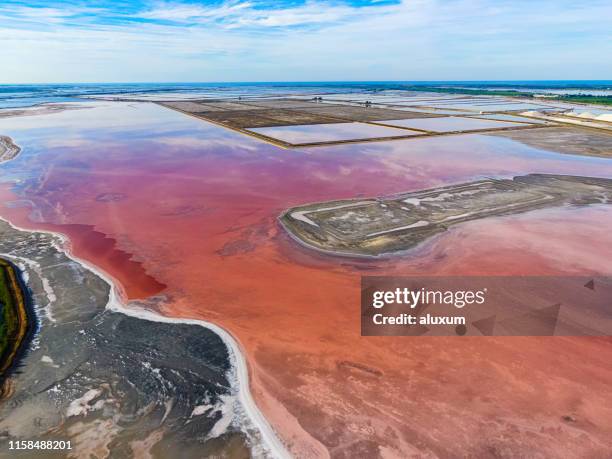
(313, 40)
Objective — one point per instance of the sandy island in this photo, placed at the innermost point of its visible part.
(8, 149)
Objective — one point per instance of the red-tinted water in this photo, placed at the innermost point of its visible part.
(173, 206)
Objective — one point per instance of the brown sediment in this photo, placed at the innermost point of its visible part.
(7, 388)
(8, 148)
(285, 112)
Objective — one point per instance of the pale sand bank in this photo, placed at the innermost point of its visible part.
(41, 109)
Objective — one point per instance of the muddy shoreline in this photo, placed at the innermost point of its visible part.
(147, 381)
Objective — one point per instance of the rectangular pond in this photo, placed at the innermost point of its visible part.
(451, 124)
(314, 133)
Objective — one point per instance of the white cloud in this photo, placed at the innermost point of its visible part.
(16, 14)
(240, 41)
(193, 13)
(237, 14)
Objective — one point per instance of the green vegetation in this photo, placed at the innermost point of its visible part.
(587, 99)
(578, 98)
(470, 92)
(13, 315)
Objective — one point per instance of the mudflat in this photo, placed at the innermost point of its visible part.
(144, 387)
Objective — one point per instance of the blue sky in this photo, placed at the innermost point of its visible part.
(252, 40)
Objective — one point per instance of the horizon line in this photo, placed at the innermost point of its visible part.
(308, 82)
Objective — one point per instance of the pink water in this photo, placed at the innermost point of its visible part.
(173, 206)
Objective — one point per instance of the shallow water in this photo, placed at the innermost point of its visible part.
(450, 124)
(493, 107)
(159, 199)
(504, 117)
(193, 208)
(330, 132)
